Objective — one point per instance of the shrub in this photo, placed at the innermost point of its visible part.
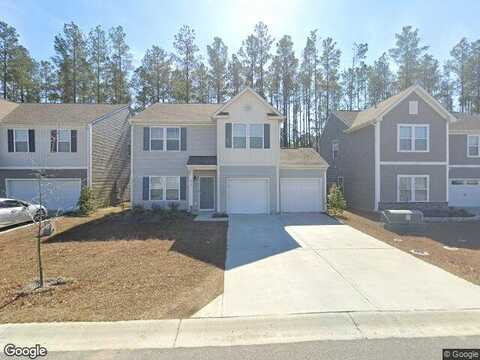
(336, 201)
(86, 202)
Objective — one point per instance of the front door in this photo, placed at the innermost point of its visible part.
(207, 193)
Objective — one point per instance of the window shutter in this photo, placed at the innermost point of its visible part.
(228, 135)
(183, 139)
(31, 140)
(183, 188)
(53, 141)
(146, 139)
(146, 188)
(266, 136)
(73, 139)
(10, 140)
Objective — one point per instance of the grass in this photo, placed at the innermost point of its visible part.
(124, 266)
(464, 262)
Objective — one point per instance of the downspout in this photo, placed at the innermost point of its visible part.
(90, 156)
(377, 164)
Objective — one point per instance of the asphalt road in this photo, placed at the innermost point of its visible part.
(391, 349)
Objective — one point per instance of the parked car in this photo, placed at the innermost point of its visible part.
(14, 211)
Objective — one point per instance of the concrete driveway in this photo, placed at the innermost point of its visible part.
(301, 263)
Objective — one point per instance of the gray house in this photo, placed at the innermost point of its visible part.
(71, 144)
(222, 157)
(406, 152)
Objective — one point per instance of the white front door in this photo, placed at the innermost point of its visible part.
(57, 194)
(301, 194)
(464, 193)
(247, 196)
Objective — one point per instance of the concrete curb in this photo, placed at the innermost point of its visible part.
(157, 334)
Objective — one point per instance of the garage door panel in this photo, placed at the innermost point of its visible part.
(57, 194)
(301, 195)
(247, 196)
(464, 193)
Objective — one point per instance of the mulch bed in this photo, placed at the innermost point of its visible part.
(463, 238)
(121, 265)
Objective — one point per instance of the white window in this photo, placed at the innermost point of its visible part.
(413, 138)
(239, 134)
(164, 139)
(173, 139)
(473, 146)
(157, 184)
(413, 188)
(21, 140)
(165, 188)
(413, 107)
(64, 138)
(256, 136)
(335, 149)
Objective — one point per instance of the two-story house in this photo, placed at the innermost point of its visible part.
(222, 157)
(406, 152)
(71, 145)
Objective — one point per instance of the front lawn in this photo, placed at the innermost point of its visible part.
(123, 266)
(454, 247)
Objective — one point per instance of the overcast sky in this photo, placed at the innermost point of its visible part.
(441, 22)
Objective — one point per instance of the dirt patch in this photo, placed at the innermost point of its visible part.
(123, 266)
(453, 247)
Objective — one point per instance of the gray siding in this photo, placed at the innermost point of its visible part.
(458, 151)
(438, 181)
(355, 162)
(42, 155)
(201, 141)
(269, 172)
(30, 174)
(464, 173)
(426, 115)
(110, 158)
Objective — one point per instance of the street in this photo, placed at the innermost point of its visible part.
(380, 349)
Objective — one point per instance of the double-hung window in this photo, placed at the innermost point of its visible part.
(156, 138)
(164, 139)
(473, 146)
(21, 140)
(64, 138)
(413, 138)
(165, 188)
(256, 136)
(413, 188)
(335, 149)
(173, 139)
(239, 135)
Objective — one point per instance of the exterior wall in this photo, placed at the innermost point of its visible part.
(196, 186)
(464, 173)
(426, 115)
(201, 141)
(30, 174)
(334, 131)
(301, 173)
(388, 186)
(269, 172)
(250, 110)
(110, 158)
(458, 151)
(42, 155)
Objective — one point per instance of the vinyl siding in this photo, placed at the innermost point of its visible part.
(458, 151)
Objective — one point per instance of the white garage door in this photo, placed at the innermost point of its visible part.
(464, 193)
(301, 195)
(247, 196)
(57, 194)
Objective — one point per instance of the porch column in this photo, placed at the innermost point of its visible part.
(190, 189)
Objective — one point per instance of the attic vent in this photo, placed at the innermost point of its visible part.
(223, 113)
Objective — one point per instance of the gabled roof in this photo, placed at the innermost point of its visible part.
(272, 111)
(375, 113)
(465, 122)
(301, 157)
(347, 117)
(6, 107)
(170, 113)
(55, 114)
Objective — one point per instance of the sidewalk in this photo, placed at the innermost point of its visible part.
(157, 334)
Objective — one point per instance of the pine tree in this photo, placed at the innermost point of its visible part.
(429, 76)
(186, 58)
(380, 80)
(235, 80)
(119, 67)
(47, 82)
(98, 58)
(201, 83)
(8, 46)
(329, 62)
(217, 59)
(458, 64)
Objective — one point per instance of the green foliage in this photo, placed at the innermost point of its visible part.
(336, 201)
(86, 202)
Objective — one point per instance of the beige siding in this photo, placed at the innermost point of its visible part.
(110, 158)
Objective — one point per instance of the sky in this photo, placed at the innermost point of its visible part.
(442, 23)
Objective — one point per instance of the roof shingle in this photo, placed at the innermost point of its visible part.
(166, 113)
(301, 156)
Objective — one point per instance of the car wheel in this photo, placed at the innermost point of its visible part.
(39, 215)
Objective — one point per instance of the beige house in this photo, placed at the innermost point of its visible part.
(222, 157)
